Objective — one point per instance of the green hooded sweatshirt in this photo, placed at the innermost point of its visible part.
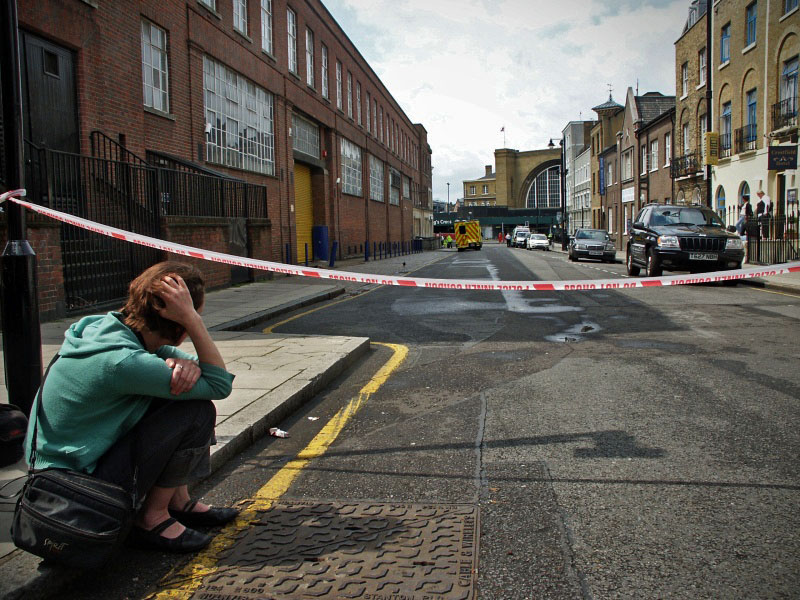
(99, 389)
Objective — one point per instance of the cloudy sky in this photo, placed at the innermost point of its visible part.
(466, 68)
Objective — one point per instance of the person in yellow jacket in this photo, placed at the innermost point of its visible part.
(449, 241)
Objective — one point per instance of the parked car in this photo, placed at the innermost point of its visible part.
(681, 238)
(591, 243)
(520, 239)
(538, 241)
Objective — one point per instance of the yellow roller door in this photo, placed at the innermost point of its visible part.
(303, 210)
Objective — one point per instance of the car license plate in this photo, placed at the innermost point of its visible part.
(595, 253)
(702, 256)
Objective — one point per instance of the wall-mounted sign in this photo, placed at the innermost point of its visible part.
(711, 148)
(628, 195)
(791, 196)
(782, 157)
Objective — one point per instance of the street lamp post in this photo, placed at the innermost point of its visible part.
(448, 196)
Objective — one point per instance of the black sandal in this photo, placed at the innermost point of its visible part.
(151, 539)
(213, 517)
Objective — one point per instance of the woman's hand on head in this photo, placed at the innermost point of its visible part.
(178, 305)
(185, 374)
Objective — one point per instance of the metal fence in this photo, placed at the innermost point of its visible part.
(129, 194)
(772, 240)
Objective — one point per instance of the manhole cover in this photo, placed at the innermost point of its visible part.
(301, 549)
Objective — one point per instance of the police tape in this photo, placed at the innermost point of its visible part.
(418, 282)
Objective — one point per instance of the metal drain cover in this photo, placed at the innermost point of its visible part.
(304, 549)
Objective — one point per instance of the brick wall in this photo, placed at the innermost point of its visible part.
(106, 41)
(209, 233)
(44, 236)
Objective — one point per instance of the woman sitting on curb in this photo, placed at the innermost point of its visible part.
(123, 404)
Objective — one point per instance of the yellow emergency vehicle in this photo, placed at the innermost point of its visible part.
(468, 235)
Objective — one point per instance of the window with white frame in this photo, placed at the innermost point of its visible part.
(406, 188)
(155, 71)
(485, 189)
(349, 94)
(324, 51)
(291, 32)
(610, 220)
(789, 5)
(667, 149)
(788, 87)
(380, 125)
(701, 66)
(240, 16)
(654, 155)
(375, 129)
(369, 119)
(212, 4)
(358, 102)
(266, 26)
(310, 57)
(338, 85)
(610, 174)
(375, 179)
(684, 79)
(627, 165)
(305, 136)
(686, 140)
(241, 117)
(472, 190)
(395, 183)
(351, 168)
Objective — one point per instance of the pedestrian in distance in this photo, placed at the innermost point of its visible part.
(508, 240)
(125, 405)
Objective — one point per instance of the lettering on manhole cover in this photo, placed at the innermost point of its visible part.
(305, 549)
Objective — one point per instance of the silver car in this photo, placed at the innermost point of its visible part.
(538, 241)
(592, 243)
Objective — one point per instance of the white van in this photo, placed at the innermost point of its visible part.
(520, 236)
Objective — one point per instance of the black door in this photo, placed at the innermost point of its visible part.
(48, 95)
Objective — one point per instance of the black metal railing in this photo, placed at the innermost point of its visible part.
(772, 240)
(106, 148)
(784, 114)
(745, 138)
(724, 145)
(681, 166)
(130, 195)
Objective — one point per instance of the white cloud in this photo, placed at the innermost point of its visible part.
(466, 68)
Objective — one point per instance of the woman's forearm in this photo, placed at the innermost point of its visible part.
(207, 351)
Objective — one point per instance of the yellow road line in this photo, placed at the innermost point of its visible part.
(774, 292)
(186, 581)
(269, 328)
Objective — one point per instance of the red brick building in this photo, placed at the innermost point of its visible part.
(269, 92)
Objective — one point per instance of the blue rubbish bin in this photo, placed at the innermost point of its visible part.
(319, 241)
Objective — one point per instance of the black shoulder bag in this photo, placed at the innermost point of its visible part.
(69, 517)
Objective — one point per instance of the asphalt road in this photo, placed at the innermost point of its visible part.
(619, 444)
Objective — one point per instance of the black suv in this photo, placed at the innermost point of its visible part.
(681, 238)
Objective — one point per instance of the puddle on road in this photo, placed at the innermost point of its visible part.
(575, 333)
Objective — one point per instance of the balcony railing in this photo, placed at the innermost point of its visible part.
(724, 145)
(784, 114)
(681, 166)
(745, 138)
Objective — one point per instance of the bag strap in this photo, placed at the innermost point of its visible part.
(39, 409)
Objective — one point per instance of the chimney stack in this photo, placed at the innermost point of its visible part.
(488, 170)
